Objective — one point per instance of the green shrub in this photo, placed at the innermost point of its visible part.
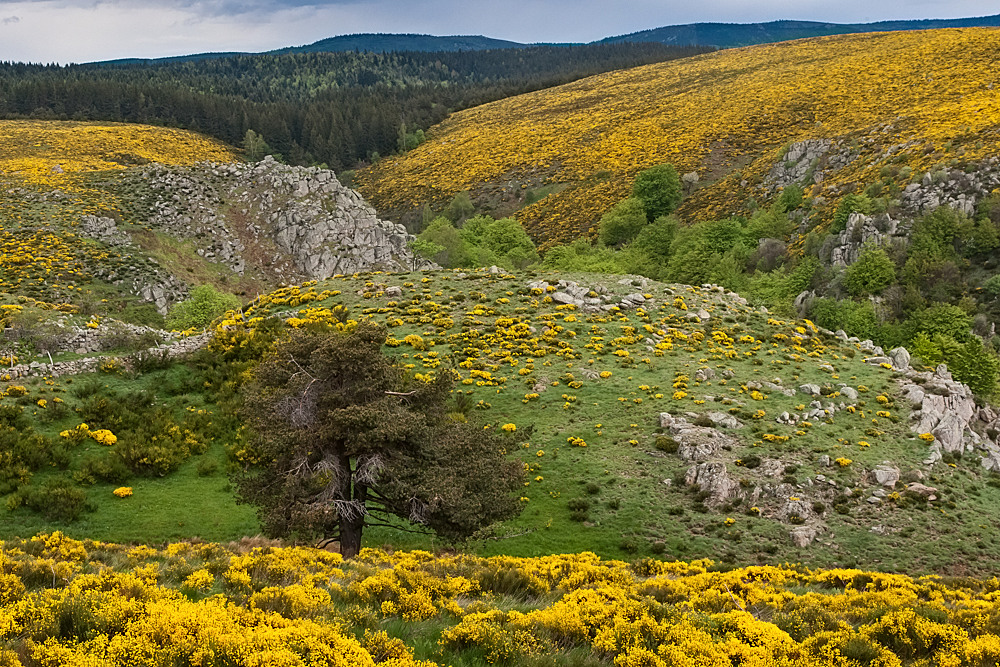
(659, 190)
(665, 443)
(109, 469)
(849, 204)
(862, 651)
(203, 305)
(623, 222)
(56, 499)
(578, 504)
(629, 545)
(510, 582)
(791, 197)
(207, 467)
(871, 274)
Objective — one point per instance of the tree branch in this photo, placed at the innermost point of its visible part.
(396, 526)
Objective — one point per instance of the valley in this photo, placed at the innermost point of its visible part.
(756, 425)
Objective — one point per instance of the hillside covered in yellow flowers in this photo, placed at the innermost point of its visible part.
(913, 98)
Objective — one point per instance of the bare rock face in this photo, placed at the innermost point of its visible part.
(900, 358)
(928, 492)
(803, 536)
(795, 509)
(947, 409)
(863, 230)
(290, 223)
(955, 188)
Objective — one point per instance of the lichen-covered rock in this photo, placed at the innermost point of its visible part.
(900, 358)
(695, 443)
(886, 474)
(803, 536)
(713, 478)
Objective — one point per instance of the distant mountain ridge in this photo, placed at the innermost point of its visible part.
(732, 35)
(388, 42)
(716, 35)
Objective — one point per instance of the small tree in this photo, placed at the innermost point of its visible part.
(460, 207)
(203, 305)
(424, 247)
(623, 222)
(254, 146)
(345, 440)
(659, 188)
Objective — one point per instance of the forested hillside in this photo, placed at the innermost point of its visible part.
(332, 108)
(732, 35)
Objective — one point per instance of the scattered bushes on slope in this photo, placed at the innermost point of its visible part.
(479, 241)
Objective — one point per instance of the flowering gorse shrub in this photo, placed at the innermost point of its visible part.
(301, 606)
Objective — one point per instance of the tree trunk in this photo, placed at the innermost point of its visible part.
(350, 537)
(352, 526)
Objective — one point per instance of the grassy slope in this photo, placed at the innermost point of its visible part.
(620, 472)
(182, 504)
(725, 115)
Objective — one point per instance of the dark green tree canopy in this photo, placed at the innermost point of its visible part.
(345, 439)
(623, 222)
(659, 188)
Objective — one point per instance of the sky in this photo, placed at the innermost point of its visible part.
(64, 31)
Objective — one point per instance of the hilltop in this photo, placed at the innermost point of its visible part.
(918, 100)
(383, 43)
(734, 35)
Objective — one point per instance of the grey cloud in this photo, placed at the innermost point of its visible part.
(82, 30)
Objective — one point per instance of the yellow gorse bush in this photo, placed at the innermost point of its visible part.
(139, 606)
(712, 114)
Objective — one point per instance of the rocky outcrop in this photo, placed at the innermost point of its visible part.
(136, 273)
(807, 162)
(104, 230)
(885, 474)
(712, 478)
(863, 230)
(900, 358)
(947, 409)
(960, 190)
(289, 223)
(696, 443)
